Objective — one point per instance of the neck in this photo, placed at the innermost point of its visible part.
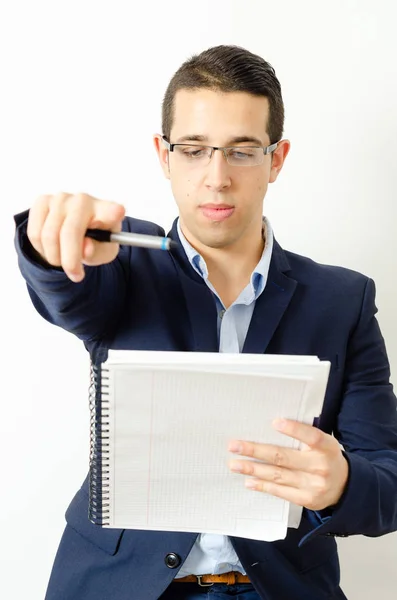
(234, 264)
(230, 268)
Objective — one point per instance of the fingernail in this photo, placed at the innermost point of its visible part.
(251, 484)
(76, 277)
(235, 466)
(235, 447)
(279, 424)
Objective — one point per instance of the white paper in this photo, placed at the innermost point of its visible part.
(171, 418)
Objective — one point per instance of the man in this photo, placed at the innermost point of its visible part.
(228, 287)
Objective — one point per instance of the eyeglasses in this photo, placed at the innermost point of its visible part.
(236, 156)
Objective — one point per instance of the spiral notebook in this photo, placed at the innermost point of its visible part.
(160, 425)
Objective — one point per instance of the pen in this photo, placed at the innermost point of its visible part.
(131, 239)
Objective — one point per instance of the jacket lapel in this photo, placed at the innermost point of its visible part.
(202, 314)
(200, 302)
(271, 304)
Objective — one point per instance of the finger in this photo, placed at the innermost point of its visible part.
(291, 494)
(50, 232)
(107, 215)
(72, 242)
(269, 473)
(37, 216)
(79, 212)
(300, 496)
(274, 455)
(279, 456)
(309, 435)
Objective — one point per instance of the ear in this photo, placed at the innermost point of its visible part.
(278, 158)
(162, 153)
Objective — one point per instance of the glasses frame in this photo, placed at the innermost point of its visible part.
(266, 149)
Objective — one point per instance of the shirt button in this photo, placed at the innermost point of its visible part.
(172, 560)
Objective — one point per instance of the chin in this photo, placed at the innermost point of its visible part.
(213, 241)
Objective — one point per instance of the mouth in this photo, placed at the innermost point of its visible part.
(217, 212)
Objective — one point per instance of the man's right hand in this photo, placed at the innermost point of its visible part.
(57, 226)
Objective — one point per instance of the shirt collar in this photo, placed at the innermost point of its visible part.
(258, 276)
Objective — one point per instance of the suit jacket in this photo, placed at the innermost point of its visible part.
(153, 300)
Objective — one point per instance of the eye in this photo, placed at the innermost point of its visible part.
(194, 151)
(242, 154)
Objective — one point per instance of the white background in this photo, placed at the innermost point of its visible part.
(81, 84)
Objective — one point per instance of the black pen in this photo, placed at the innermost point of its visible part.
(131, 239)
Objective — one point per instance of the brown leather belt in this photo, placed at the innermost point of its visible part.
(207, 580)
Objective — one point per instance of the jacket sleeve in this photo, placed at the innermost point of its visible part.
(88, 309)
(367, 430)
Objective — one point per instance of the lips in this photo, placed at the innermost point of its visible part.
(217, 212)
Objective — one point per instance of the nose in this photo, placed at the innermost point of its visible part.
(218, 173)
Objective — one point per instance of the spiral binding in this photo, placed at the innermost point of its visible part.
(99, 498)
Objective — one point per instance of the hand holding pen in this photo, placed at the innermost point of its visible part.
(126, 238)
(63, 229)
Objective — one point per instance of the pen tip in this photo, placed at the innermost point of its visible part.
(173, 245)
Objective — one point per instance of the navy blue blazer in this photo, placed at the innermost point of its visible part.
(152, 300)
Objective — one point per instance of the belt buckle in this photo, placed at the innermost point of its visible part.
(203, 584)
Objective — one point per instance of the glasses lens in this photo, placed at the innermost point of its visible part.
(244, 157)
(199, 156)
(192, 155)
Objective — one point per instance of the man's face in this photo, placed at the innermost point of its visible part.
(220, 205)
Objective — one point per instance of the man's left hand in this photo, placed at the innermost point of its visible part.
(314, 477)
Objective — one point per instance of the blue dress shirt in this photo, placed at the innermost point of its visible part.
(214, 553)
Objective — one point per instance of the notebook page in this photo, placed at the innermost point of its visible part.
(169, 452)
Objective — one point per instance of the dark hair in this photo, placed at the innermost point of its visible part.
(228, 69)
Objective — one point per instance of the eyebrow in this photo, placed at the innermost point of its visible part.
(241, 139)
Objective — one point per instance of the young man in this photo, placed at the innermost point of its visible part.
(228, 287)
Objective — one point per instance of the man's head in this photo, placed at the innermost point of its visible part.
(224, 97)
(227, 69)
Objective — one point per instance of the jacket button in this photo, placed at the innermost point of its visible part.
(172, 560)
